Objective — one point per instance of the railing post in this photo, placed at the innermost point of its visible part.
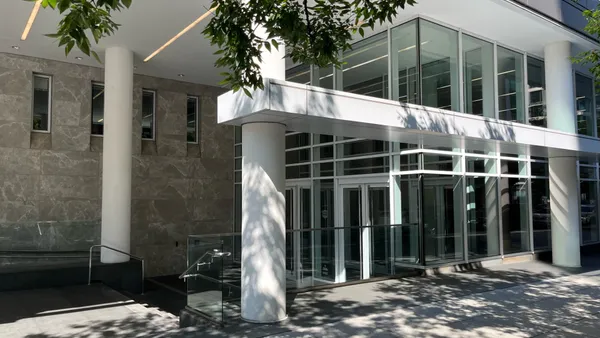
(90, 266)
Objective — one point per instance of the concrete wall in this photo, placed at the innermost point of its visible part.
(568, 12)
(178, 188)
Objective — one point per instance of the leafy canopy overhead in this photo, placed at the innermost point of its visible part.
(591, 57)
(314, 32)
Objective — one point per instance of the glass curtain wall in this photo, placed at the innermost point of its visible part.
(405, 60)
(439, 66)
(584, 93)
(365, 70)
(540, 200)
(588, 190)
(511, 104)
(536, 86)
(478, 57)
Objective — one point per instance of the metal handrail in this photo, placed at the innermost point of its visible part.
(212, 254)
(116, 250)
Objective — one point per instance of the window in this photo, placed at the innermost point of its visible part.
(148, 100)
(97, 109)
(299, 74)
(536, 86)
(584, 90)
(42, 102)
(366, 68)
(510, 86)
(193, 120)
(405, 72)
(478, 56)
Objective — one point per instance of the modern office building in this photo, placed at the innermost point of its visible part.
(459, 133)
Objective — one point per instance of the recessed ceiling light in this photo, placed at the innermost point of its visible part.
(78, 58)
(31, 19)
(15, 47)
(183, 31)
(181, 75)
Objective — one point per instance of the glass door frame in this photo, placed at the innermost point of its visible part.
(297, 204)
(363, 184)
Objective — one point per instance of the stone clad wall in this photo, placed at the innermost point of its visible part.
(178, 188)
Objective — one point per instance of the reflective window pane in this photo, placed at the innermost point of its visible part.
(515, 221)
(405, 70)
(299, 74)
(97, 109)
(442, 218)
(406, 236)
(482, 217)
(539, 169)
(325, 77)
(441, 162)
(324, 251)
(297, 140)
(192, 119)
(366, 68)
(148, 114)
(540, 198)
(536, 86)
(513, 167)
(362, 148)
(589, 212)
(584, 91)
(510, 86)
(478, 58)
(481, 165)
(297, 156)
(297, 171)
(41, 103)
(364, 166)
(439, 66)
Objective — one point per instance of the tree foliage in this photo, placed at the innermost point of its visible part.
(314, 32)
(591, 57)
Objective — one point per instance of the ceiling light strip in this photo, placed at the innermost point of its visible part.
(185, 30)
(34, 11)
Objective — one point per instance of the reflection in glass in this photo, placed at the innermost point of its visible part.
(97, 109)
(478, 58)
(589, 212)
(364, 166)
(306, 244)
(379, 214)
(148, 114)
(482, 217)
(406, 236)
(324, 249)
(441, 162)
(584, 91)
(481, 165)
(439, 66)
(352, 235)
(366, 68)
(536, 86)
(325, 77)
(299, 74)
(41, 103)
(296, 140)
(510, 86)
(514, 206)
(289, 225)
(442, 218)
(192, 119)
(362, 147)
(540, 198)
(405, 71)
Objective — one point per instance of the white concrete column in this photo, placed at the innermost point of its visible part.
(263, 222)
(263, 208)
(564, 185)
(116, 157)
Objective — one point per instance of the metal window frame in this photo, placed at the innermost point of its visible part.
(197, 121)
(50, 89)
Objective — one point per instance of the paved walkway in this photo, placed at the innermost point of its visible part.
(517, 300)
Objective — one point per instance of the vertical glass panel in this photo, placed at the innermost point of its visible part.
(306, 238)
(192, 119)
(297, 171)
(323, 153)
(482, 217)
(536, 86)
(148, 115)
(513, 167)
(442, 218)
(441, 162)
(439, 66)
(540, 198)
(323, 169)
(510, 86)
(589, 212)
(539, 169)
(406, 207)
(324, 249)
(598, 114)
(478, 57)
(325, 77)
(361, 148)
(297, 140)
(514, 207)
(320, 138)
(297, 156)
(97, 109)
(378, 205)
(352, 206)
(364, 166)
(299, 74)
(289, 238)
(41, 103)
(405, 70)
(366, 68)
(584, 91)
(237, 212)
(481, 165)
(237, 134)
(587, 172)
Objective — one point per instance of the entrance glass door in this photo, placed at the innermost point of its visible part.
(299, 244)
(364, 249)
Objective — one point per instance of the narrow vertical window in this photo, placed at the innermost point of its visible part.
(536, 85)
(148, 104)
(510, 86)
(584, 92)
(97, 109)
(42, 102)
(192, 120)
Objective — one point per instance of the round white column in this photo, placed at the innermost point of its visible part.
(263, 222)
(564, 185)
(116, 157)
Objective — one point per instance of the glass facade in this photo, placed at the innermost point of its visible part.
(478, 58)
(584, 94)
(511, 105)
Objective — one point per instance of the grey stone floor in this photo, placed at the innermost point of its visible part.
(517, 300)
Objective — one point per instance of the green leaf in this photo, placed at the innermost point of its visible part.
(69, 47)
(95, 55)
